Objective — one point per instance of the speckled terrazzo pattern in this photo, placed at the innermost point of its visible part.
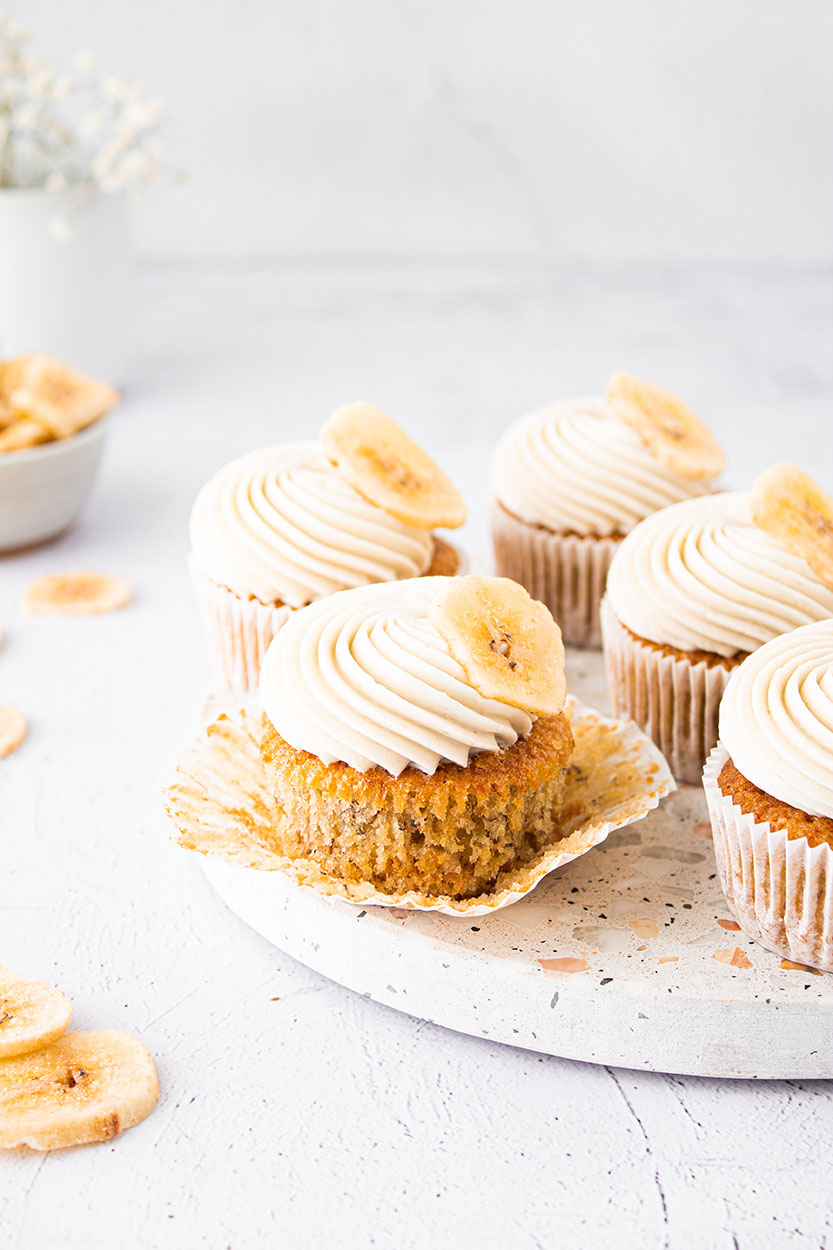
(628, 955)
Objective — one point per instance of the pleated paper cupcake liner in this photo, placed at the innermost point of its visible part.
(565, 571)
(237, 631)
(779, 889)
(221, 805)
(674, 700)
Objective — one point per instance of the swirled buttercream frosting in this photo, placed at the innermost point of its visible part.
(576, 467)
(364, 677)
(776, 718)
(701, 576)
(282, 525)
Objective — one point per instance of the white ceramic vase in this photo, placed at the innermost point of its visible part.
(66, 296)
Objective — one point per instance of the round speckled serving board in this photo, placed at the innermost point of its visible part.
(627, 956)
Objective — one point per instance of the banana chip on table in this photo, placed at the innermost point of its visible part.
(32, 1013)
(793, 509)
(78, 593)
(668, 428)
(507, 642)
(12, 731)
(83, 1087)
(385, 465)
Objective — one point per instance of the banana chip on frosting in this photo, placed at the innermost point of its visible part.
(386, 466)
(667, 427)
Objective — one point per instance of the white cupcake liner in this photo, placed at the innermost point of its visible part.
(779, 889)
(237, 631)
(221, 804)
(567, 572)
(674, 701)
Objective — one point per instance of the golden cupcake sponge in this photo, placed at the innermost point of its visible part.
(507, 642)
(668, 428)
(388, 468)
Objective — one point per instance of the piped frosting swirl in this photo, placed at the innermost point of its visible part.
(776, 718)
(283, 525)
(365, 677)
(575, 467)
(701, 576)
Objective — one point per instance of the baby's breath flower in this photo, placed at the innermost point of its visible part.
(115, 87)
(25, 117)
(92, 125)
(62, 87)
(61, 228)
(108, 140)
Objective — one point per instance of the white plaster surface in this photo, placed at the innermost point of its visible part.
(294, 1112)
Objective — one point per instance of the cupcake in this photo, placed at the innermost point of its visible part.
(769, 787)
(415, 737)
(570, 480)
(697, 587)
(282, 527)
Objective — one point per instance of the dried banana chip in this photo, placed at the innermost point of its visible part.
(77, 593)
(12, 729)
(84, 1087)
(60, 399)
(669, 429)
(21, 433)
(507, 642)
(386, 466)
(12, 373)
(788, 505)
(32, 1014)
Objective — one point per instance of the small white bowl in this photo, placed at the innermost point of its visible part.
(42, 489)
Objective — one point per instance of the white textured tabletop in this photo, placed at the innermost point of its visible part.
(294, 1112)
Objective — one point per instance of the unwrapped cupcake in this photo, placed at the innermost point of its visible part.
(769, 786)
(696, 588)
(570, 480)
(415, 735)
(288, 525)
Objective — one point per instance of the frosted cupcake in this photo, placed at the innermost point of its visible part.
(285, 526)
(415, 738)
(769, 786)
(571, 479)
(696, 588)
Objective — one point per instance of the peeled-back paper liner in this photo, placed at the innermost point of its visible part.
(567, 572)
(779, 889)
(221, 805)
(674, 701)
(237, 631)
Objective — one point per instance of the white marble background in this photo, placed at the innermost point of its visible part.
(594, 129)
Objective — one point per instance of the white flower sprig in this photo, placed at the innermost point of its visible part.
(59, 131)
